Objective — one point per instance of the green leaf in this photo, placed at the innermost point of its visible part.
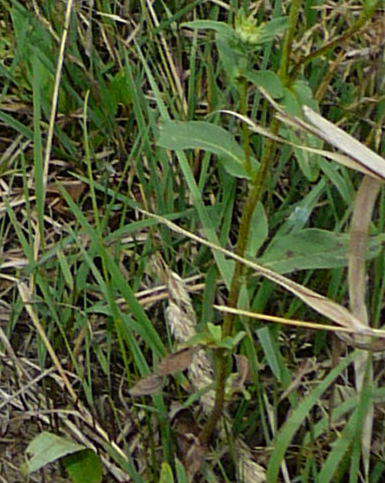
(84, 467)
(221, 28)
(181, 472)
(249, 32)
(285, 435)
(166, 475)
(267, 79)
(120, 88)
(48, 447)
(293, 99)
(273, 28)
(179, 135)
(231, 342)
(271, 353)
(232, 58)
(215, 331)
(259, 230)
(311, 248)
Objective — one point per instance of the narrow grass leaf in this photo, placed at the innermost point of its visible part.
(224, 267)
(220, 27)
(118, 280)
(295, 419)
(270, 351)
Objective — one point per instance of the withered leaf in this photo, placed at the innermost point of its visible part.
(177, 361)
(195, 458)
(243, 369)
(147, 386)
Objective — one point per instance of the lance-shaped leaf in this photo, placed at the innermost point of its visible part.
(179, 135)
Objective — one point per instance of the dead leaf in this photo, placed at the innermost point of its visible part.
(147, 386)
(243, 368)
(340, 139)
(195, 457)
(177, 361)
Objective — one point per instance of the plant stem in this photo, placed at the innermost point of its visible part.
(222, 357)
(288, 41)
(253, 198)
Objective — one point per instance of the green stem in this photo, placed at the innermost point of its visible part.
(288, 41)
(245, 129)
(253, 198)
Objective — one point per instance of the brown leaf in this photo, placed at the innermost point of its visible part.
(243, 369)
(147, 386)
(195, 457)
(177, 361)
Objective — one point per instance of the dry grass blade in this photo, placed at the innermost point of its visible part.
(359, 232)
(282, 320)
(361, 157)
(298, 123)
(330, 309)
(364, 156)
(55, 94)
(27, 297)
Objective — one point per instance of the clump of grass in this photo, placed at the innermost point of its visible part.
(193, 112)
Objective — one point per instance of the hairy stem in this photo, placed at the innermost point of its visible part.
(254, 197)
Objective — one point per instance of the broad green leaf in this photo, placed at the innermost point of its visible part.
(179, 135)
(269, 30)
(311, 248)
(215, 331)
(267, 79)
(232, 58)
(48, 447)
(84, 467)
